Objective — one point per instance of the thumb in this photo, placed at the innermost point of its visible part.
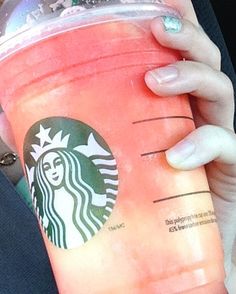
(6, 134)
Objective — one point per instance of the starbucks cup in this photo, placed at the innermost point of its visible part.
(115, 217)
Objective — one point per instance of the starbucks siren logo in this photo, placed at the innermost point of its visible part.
(73, 179)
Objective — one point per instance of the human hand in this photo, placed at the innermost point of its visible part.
(212, 99)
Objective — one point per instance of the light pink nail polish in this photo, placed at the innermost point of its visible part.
(165, 74)
(181, 151)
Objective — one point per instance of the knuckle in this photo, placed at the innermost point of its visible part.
(201, 71)
(190, 34)
(194, 36)
(216, 56)
(229, 89)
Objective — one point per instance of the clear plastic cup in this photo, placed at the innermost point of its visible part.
(115, 217)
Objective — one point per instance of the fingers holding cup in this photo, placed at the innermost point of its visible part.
(213, 90)
(185, 8)
(203, 145)
(199, 74)
(188, 38)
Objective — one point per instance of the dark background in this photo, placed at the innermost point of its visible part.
(225, 13)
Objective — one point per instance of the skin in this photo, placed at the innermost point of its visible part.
(213, 143)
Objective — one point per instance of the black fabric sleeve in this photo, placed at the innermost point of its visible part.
(24, 264)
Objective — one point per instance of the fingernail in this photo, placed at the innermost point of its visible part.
(172, 24)
(163, 74)
(180, 152)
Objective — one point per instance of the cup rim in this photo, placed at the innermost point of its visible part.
(49, 27)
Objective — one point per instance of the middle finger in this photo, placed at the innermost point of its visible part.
(212, 88)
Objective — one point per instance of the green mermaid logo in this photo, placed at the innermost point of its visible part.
(73, 179)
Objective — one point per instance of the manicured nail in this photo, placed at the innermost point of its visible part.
(172, 24)
(162, 75)
(180, 152)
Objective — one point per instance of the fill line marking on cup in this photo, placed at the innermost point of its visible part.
(107, 70)
(162, 117)
(153, 152)
(182, 195)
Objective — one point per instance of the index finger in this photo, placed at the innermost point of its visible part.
(185, 8)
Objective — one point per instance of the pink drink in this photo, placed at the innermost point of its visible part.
(78, 102)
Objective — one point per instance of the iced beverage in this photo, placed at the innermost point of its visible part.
(115, 217)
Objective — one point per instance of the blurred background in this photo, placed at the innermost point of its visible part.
(225, 13)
